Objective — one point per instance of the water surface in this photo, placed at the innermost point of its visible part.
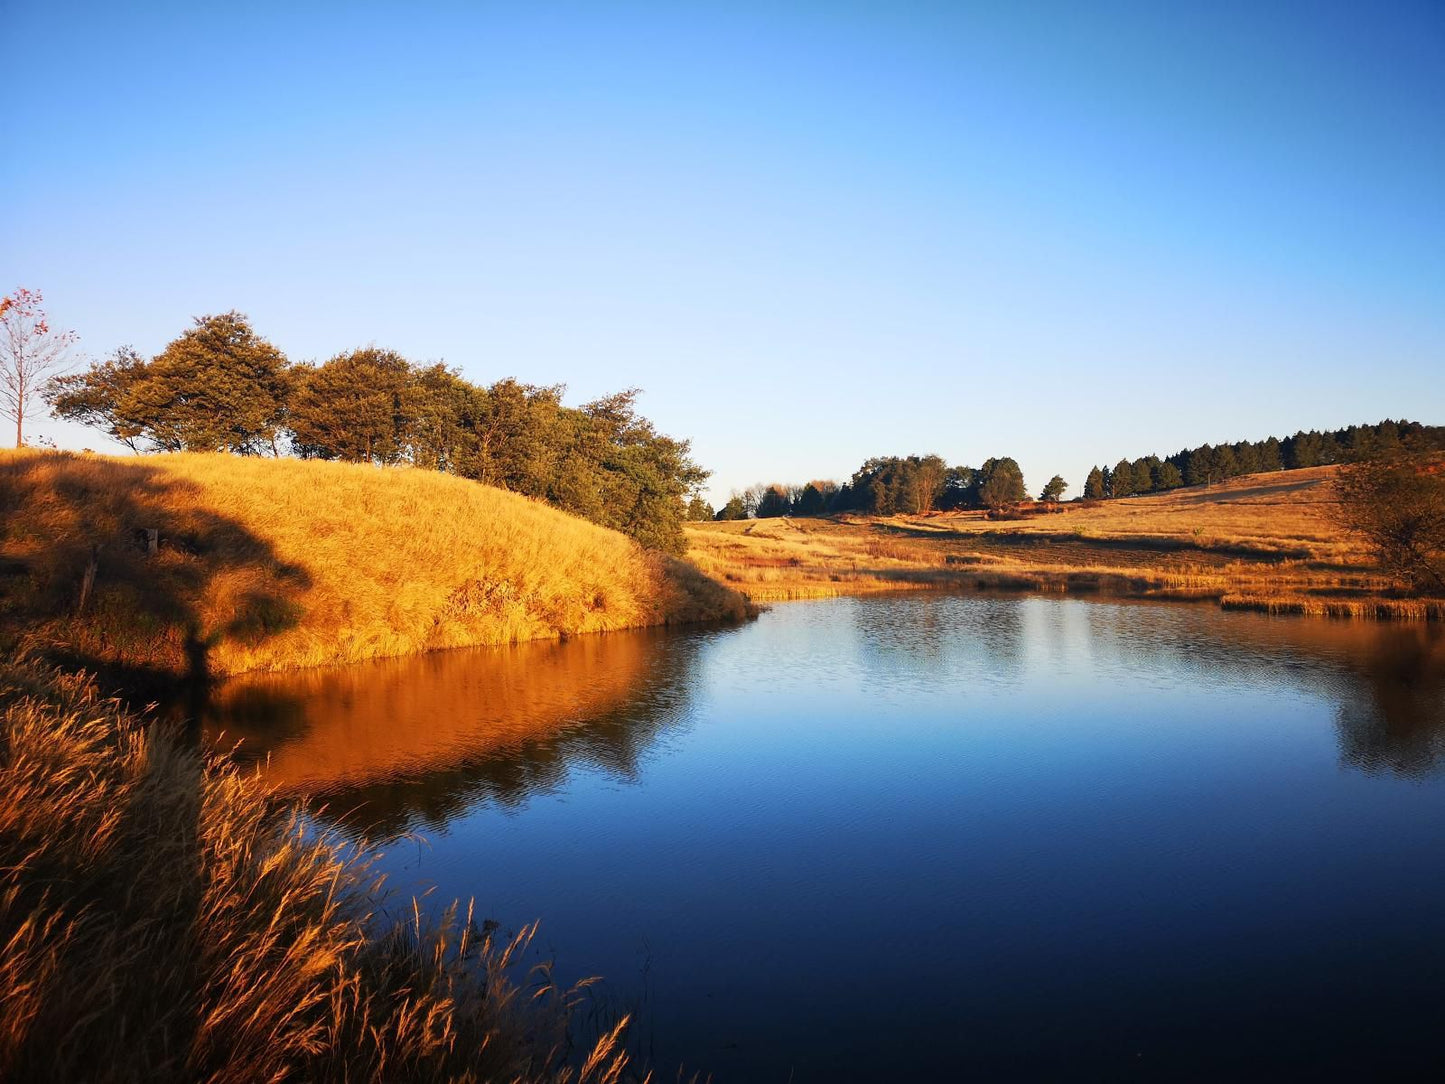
(931, 836)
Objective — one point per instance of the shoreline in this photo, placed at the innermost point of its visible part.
(1268, 543)
(1372, 608)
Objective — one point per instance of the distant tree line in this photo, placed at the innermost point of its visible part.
(1209, 464)
(888, 485)
(221, 387)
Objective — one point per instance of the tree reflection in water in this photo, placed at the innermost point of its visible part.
(1394, 721)
(1387, 678)
(394, 746)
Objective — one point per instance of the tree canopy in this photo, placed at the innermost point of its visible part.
(1396, 502)
(889, 485)
(1210, 464)
(221, 387)
(218, 387)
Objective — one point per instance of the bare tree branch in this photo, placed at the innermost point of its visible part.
(30, 352)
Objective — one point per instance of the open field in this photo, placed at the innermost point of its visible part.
(1263, 541)
(279, 563)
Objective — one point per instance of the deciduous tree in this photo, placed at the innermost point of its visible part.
(219, 387)
(31, 354)
(1054, 489)
(102, 397)
(1397, 504)
(353, 407)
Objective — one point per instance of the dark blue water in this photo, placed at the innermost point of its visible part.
(933, 836)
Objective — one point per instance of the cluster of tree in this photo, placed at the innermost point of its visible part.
(886, 485)
(221, 387)
(816, 498)
(1209, 464)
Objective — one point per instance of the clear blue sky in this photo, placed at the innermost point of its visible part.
(811, 232)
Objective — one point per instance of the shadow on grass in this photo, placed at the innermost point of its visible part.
(118, 568)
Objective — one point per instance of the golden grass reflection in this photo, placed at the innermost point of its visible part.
(383, 744)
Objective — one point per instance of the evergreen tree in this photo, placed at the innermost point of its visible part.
(1201, 470)
(1002, 484)
(811, 501)
(888, 484)
(1122, 479)
(1054, 489)
(1144, 473)
(843, 499)
(774, 502)
(960, 488)
(1094, 485)
(734, 509)
(1271, 456)
(1226, 463)
(1167, 476)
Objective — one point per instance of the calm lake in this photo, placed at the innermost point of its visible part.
(930, 836)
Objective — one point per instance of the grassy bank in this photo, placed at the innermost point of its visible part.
(273, 564)
(160, 920)
(1263, 542)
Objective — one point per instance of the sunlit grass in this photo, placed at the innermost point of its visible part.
(1264, 542)
(271, 564)
(160, 920)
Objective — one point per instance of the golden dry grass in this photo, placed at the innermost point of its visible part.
(160, 921)
(1265, 541)
(273, 564)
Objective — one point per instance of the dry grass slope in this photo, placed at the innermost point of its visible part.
(273, 564)
(161, 921)
(1263, 542)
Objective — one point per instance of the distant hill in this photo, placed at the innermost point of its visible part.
(1265, 541)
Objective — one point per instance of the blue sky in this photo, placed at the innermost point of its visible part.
(810, 232)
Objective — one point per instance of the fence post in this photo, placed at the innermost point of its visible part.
(87, 582)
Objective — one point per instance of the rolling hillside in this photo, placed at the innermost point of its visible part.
(272, 564)
(1262, 541)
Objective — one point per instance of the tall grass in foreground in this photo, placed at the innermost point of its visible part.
(161, 921)
(276, 563)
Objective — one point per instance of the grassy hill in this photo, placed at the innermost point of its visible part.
(1262, 541)
(272, 564)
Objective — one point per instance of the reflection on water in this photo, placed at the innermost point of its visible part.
(399, 744)
(402, 743)
(1393, 719)
(1388, 680)
(931, 836)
